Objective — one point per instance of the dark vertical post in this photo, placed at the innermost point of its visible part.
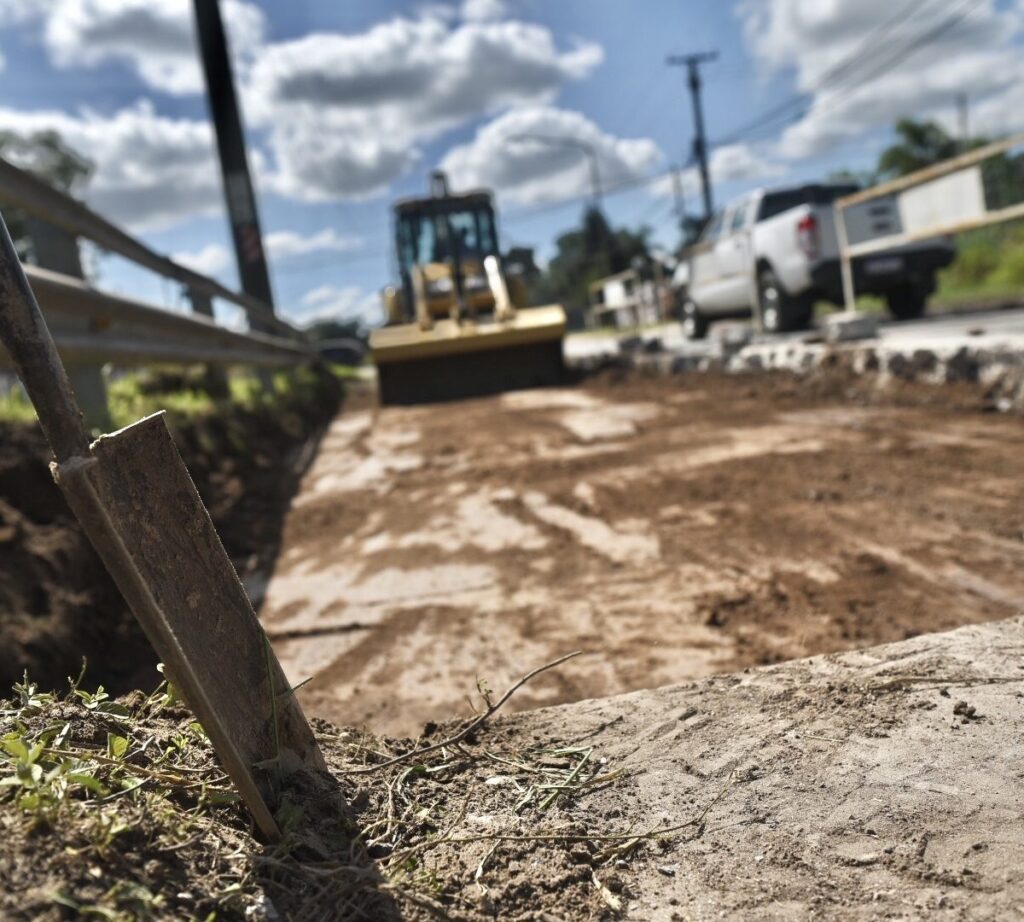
(963, 106)
(700, 144)
(692, 63)
(54, 248)
(677, 193)
(216, 379)
(227, 123)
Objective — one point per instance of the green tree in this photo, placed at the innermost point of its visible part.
(336, 329)
(919, 145)
(44, 154)
(690, 229)
(863, 178)
(592, 251)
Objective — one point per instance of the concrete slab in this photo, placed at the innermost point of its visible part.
(850, 325)
(884, 783)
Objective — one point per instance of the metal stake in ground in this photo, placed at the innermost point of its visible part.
(137, 503)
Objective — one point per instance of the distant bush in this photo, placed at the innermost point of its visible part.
(990, 261)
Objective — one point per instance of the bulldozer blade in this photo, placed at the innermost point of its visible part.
(138, 505)
(453, 361)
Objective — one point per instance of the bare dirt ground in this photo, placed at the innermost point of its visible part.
(673, 528)
(875, 784)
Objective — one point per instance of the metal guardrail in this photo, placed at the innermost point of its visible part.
(91, 325)
(941, 200)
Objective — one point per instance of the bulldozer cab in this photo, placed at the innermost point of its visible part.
(457, 324)
(446, 239)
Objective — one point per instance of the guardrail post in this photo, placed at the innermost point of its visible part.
(57, 250)
(216, 378)
(845, 263)
(264, 375)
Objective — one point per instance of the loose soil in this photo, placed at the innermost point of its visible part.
(57, 603)
(673, 528)
(882, 783)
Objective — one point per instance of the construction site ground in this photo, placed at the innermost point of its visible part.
(672, 528)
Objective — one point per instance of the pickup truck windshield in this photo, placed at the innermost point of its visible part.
(774, 203)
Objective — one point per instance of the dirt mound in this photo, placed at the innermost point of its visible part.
(57, 603)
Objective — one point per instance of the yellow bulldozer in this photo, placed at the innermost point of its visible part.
(456, 325)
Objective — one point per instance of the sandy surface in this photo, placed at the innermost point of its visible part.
(880, 784)
(673, 528)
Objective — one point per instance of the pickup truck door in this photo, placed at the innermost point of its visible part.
(723, 264)
(733, 257)
(704, 273)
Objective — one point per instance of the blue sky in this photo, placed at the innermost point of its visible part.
(350, 104)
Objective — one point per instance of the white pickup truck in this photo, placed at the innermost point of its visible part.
(773, 253)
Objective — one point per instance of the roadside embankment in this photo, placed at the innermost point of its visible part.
(57, 603)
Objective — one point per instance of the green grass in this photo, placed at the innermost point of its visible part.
(181, 393)
(128, 403)
(989, 266)
(15, 408)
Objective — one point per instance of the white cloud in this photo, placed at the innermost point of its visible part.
(284, 244)
(153, 37)
(13, 12)
(346, 112)
(483, 10)
(212, 259)
(740, 162)
(333, 302)
(151, 170)
(513, 155)
(334, 115)
(813, 39)
(729, 163)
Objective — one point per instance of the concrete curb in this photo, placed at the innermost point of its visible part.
(1000, 370)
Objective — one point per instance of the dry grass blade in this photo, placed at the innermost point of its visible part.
(466, 731)
(614, 903)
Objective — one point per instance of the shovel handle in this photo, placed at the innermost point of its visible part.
(24, 333)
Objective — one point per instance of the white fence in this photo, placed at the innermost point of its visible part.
(945, 199)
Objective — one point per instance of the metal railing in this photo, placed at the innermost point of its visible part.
(92, 327)
(941, 200)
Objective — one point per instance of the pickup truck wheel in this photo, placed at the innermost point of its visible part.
(695, 324)
(907, 302)
(780, 312)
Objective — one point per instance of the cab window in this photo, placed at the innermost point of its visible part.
(739, 217)
(713, 229)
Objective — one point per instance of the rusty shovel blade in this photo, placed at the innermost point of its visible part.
(137, 503)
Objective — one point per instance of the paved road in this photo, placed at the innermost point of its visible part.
(995, 328)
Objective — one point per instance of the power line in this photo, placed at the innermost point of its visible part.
(634, 182)
(339, 259)
(850, 67)
(782, 110)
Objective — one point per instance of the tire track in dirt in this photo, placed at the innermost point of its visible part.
(672, 527)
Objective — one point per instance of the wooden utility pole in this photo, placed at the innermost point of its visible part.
(692, 64)
(227, 123)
